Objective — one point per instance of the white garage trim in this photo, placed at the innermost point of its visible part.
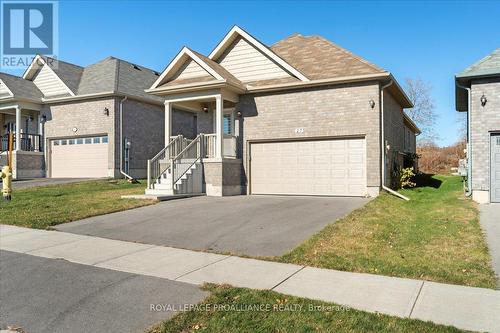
(309, 166)
(79, 157)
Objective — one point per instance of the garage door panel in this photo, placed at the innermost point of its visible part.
(314, 167)
(85, 157)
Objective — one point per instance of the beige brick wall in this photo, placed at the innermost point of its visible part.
(483, 121)
(333, 111)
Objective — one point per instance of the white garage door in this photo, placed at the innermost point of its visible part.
(315, 167)
(79, 157)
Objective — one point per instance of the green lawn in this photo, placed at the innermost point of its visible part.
(435, 236)
(224, 311)
(42, 207)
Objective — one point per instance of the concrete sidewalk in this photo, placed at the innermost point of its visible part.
(463, 307)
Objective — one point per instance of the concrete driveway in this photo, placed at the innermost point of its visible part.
(243, 225)
(47, 295)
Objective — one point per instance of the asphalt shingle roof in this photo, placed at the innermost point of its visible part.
(120, 76)
(106, 76)
(318, 58)
(20, 87)
(489, 65)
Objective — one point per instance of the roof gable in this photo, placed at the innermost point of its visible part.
(191, 70)
(248, 63)
(192, 67)
(239, 44)
(50, 84)
(4, 90)
(318, 58)
(42, 71)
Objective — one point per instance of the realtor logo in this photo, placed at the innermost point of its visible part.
(28, 29)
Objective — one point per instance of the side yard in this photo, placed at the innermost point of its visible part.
(42, 207)
(230, 309)
(435, 236)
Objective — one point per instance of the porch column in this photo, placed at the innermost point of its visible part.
(219, 127)
(168, 122)
(18, 128)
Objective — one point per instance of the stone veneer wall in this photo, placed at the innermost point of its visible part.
(223, 178)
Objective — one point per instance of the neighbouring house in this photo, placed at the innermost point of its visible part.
(65, 119)
(301, 117)
(478, 93)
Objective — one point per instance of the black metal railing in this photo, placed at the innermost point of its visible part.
(29, 142)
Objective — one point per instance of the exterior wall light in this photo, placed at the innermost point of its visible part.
(483, 100)
(239, 114)
(106, 112)
(43, 119)
(205, 109)
(372, 103)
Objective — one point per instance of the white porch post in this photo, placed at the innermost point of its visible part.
(219, 127)
(168, 122)
(18, 128)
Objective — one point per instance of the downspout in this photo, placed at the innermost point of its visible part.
(469, 152)
(129, 178)
(383, 145)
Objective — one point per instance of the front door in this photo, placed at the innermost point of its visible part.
(495, 167)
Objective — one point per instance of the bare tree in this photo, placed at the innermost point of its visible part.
(423, 112)
(462, 122)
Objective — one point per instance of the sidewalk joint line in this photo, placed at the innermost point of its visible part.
(48, 247)
(123, 255)
(416, 299)
(288, 277)
(197, 269)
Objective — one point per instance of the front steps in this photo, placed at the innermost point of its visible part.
(190, 183)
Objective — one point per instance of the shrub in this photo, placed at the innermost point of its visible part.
(406, 177)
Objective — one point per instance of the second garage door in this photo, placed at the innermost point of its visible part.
(313, 167)
(79, 157)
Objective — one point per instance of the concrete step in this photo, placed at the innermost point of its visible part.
(163, 186)
(159, 192)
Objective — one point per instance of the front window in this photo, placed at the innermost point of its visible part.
(228, 124)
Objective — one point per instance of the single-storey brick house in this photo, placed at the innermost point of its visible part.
(301, 117)
(478, 94)
(67, 119)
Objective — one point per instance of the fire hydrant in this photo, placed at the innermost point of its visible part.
(6, 175)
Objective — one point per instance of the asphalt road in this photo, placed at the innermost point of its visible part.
(50, 295)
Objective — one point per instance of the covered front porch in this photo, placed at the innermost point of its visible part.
(208, 163)
(24, 124)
